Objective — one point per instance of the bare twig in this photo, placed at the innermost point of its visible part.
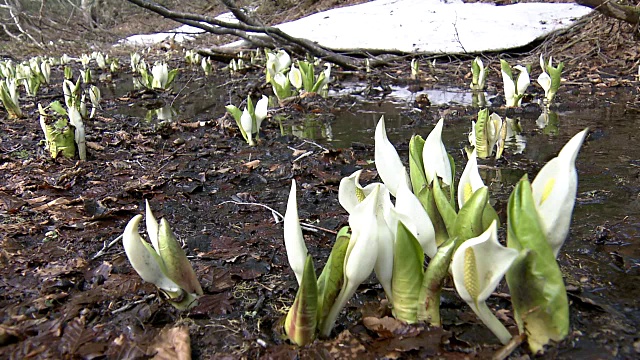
(106, 247)
(279, 217)
(244, 31)
(132, 304)
(510, 347)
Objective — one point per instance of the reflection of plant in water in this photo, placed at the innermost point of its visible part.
(548, 121)
(312, 129)
(167, 112)
(424, 221)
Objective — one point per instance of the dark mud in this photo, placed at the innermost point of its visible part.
(65, 293)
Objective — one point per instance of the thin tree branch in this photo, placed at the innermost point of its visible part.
(241, 29)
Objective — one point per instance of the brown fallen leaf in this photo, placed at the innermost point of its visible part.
(252, 164)
(388, 327)
(94, 146)
(171, 344)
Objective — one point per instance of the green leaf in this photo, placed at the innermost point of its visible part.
(59, 137)
(306, 68)
(302, 318)
(234, 111)
(250, 108)
(58, 108)
(416, 164)
(535, 281)
(446, 211)
(175, 260)
(429, 204)
(406, 282)
(504, 66)
(452, 188)
(170, 77)
(489, 215)
(468, 224)
(319, 82)
(332, 276)
(434, 276)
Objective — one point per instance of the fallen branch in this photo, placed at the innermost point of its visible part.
(630, 14)
(106, 247)
(244, 30)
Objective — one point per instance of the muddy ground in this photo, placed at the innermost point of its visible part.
(68, 291)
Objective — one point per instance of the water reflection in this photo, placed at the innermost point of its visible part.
(165, 113)
(549, 122)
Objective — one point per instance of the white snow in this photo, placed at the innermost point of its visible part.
(424, 26)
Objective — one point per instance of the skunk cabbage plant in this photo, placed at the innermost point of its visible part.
(549, 80)
(478, 75)
(477, 267)
(163, 262)
(250, 119)
(539, 216)
(9, 98)
(514, 87)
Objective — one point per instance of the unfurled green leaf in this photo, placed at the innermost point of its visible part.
(332, 276)
(302, 319)
(407, 275)
(535, 281)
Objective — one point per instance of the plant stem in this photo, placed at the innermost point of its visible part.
(491, 321)
(438, 269)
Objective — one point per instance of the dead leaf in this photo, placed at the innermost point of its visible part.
(388, 327)
(171, 344)
(252, 164)
(94, 146)
(53, 203)
(345, 346)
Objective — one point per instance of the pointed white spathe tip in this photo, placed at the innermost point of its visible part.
(142, 258)
(152, 226)
(554, 192)
(434, 156)
(387, 161)
(293, 238)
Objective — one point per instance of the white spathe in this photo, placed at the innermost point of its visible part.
(293, 239)
(477, 267)
(387, 160)
(554, 192)
(143, 258)
(260, 111)
(412, 214)
(351, 193)
(470, 181)
(435, 157)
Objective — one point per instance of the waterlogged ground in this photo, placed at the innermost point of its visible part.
(66, 292)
